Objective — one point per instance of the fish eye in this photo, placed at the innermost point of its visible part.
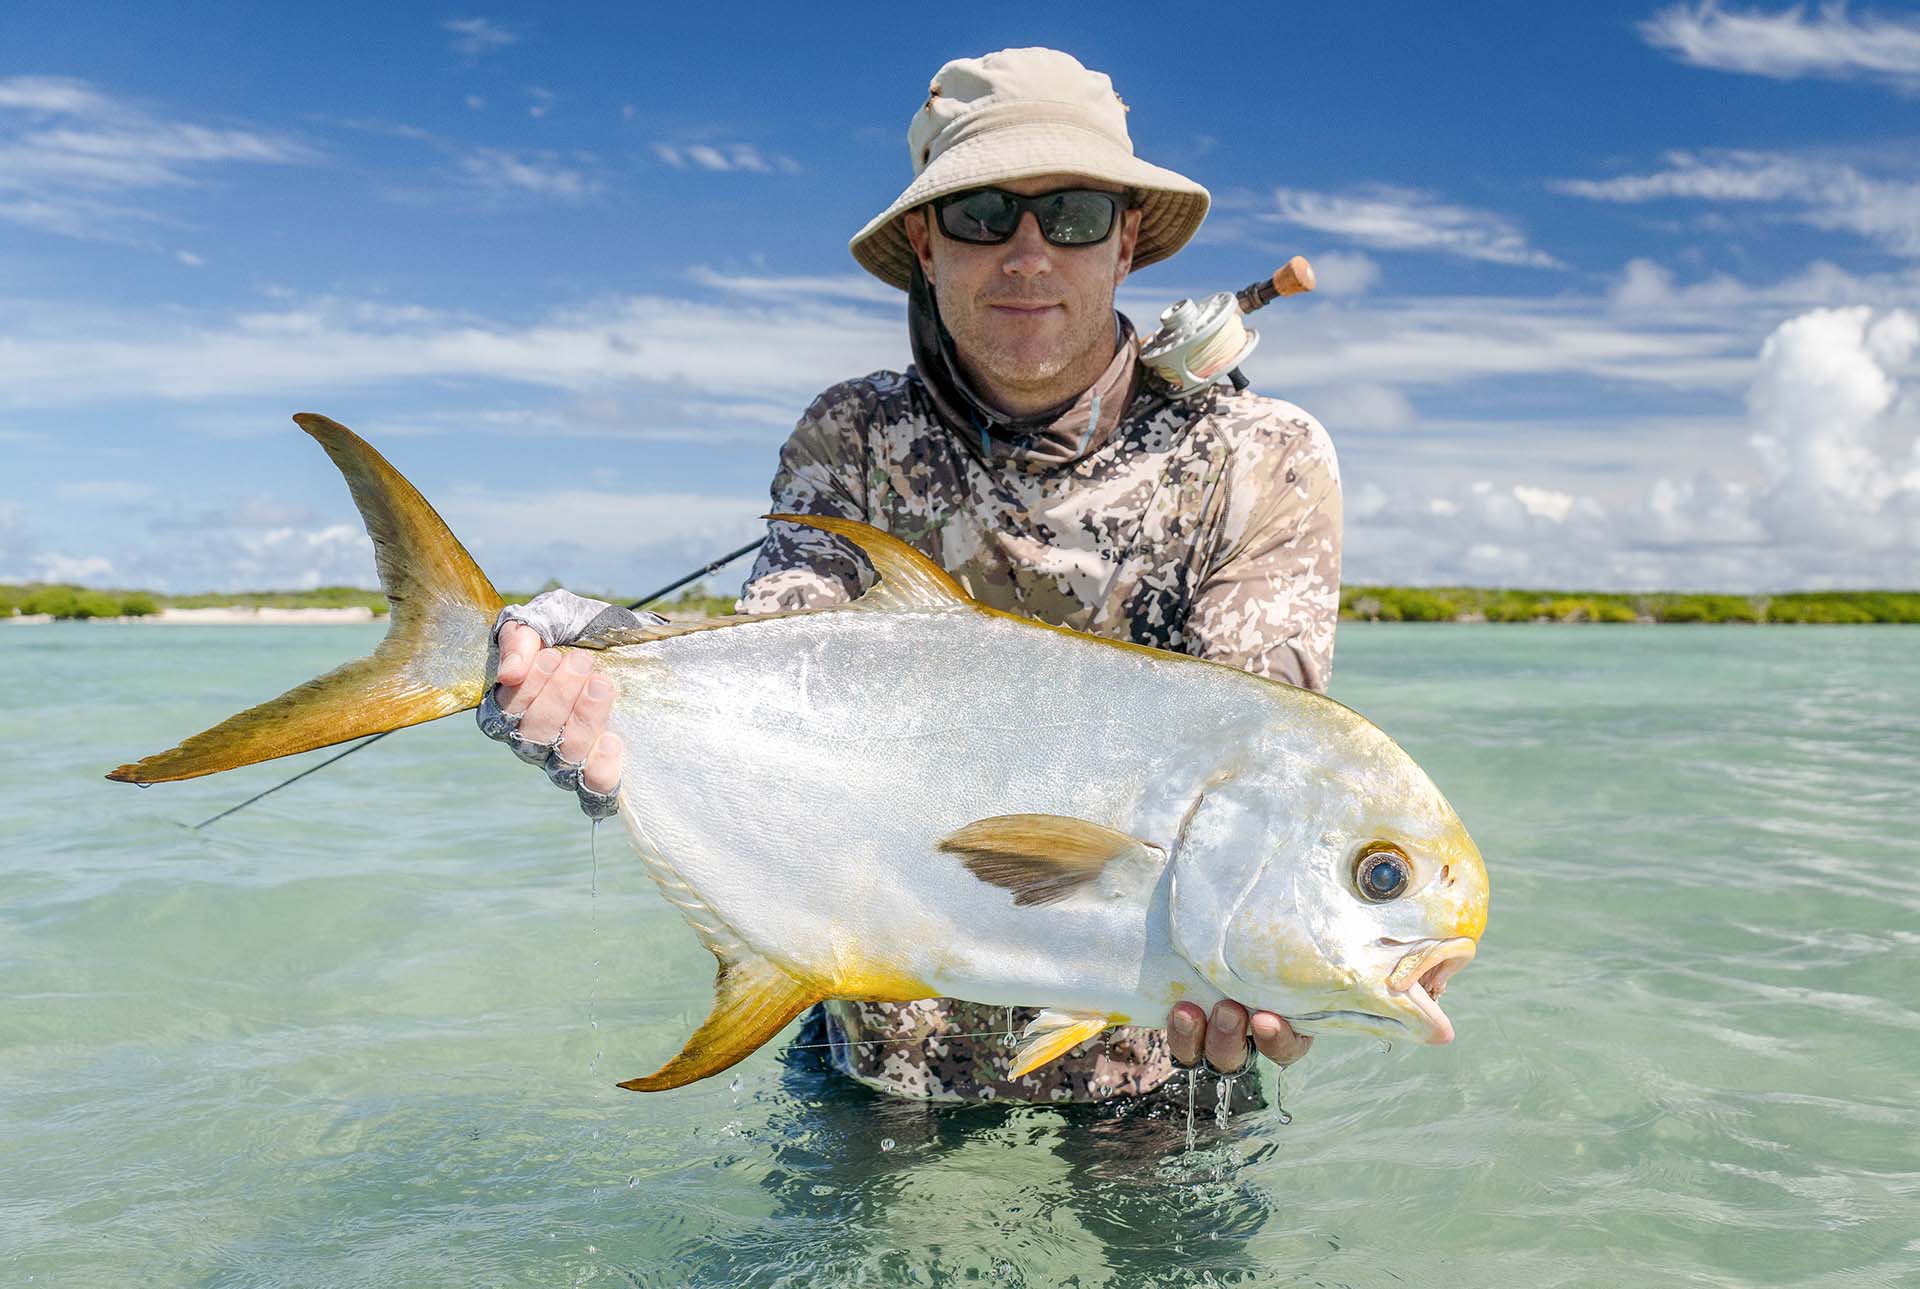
(1381, 872)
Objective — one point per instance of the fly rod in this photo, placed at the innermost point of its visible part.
(703, 571)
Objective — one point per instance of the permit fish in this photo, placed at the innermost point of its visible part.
(913, 795)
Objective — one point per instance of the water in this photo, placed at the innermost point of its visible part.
(354, 1035)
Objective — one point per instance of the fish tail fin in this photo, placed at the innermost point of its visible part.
(754, 999)
(432, 663)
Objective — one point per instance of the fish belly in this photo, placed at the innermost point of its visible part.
(796, 774)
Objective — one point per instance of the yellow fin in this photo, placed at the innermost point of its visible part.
(1055, 1033)
(753, 1000)
(1043, 859)
(908, 579)
(432, 663)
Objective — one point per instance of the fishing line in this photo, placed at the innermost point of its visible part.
(705, 569)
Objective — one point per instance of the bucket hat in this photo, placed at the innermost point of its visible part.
(1017, 114)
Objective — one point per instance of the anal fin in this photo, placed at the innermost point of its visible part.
(753, 1000)
(1053, 1034)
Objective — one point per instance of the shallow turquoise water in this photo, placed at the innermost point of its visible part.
(365, 1032)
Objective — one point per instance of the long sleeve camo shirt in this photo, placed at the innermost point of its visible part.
(1209, 526)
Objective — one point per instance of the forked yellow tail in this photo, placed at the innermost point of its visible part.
(432, 663)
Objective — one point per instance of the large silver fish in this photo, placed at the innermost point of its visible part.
(914, 795)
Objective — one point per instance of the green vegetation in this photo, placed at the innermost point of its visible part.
(321, 597)
(1476, 604)
(1357, 603)
(61, 600)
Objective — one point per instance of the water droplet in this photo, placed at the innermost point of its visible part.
(1223, 1101)
(1193, 1089)
(632, 1182)
(886, 1143)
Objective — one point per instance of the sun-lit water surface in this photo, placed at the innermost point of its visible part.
(365, 1032)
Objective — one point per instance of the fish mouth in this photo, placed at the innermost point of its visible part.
(1421, 977)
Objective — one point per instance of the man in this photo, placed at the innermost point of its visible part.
(1028, 452)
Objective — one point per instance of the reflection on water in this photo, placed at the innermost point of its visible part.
(850, 1167)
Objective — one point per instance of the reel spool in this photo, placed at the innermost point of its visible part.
(1198, 344)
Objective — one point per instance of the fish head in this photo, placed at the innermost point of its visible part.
(1330, 883)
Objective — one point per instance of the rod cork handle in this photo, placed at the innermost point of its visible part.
(1295, 277)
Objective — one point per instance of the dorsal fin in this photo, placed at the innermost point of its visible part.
(908, 579)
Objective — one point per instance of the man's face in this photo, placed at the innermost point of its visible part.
(1032, 322)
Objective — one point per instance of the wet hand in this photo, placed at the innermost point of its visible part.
(1222, 1037)
(555, 692)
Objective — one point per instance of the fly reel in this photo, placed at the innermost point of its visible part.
(1198, 344)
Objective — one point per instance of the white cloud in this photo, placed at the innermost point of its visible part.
(475, 37)
(615, 542)
(539, 174)
(1358, 407)
(725, 158)
(542, 103)
(55, 567)
(475, 103)
(664, 348)
(1791, 43)
(1404, 219)
(1819, 487)
(189, 259)
(1826, 194)
(1338, 274)
(842, 286)
(71, 155)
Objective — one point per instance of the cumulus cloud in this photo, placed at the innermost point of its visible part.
(1791, 43)
(1820, 487)
(71, 157)
(475, 37)
(1832, 195)
(1405, 219)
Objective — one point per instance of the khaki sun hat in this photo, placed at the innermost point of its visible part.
(1017, 114)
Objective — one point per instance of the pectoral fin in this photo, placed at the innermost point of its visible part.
(1043, 859)
(1055, 1033)
(753, 1000)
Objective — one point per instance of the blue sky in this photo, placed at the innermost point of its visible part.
(1613, 295)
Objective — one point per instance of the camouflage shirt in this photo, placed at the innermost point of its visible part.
(1209, 526)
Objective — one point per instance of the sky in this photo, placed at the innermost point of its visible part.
(1612, 295)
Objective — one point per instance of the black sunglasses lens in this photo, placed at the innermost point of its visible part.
(987, 215)
(1077, 217)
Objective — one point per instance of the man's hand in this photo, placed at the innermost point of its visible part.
(558, 693)
(1223, 1038)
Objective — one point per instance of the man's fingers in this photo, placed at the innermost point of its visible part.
(1276, 1039)
(603, 763)
(552, 706)
(589, 719)
(1186, 1030)
(1226, 1045)
(518, 644)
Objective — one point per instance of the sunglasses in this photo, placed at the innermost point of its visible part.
(1068, 217)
